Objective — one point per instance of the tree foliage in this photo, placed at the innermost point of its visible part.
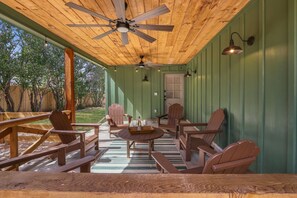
(9, 52)
(38, 70)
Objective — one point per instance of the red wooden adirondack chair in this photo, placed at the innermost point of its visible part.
(175, 114)
(190, 140)
(115, 118)
(234, 159)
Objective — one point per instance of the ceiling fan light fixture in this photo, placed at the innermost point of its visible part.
(188, 74)
(122, 27)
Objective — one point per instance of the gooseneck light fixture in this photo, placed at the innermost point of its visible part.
(233, 49)
(188, 74)
(145, 79)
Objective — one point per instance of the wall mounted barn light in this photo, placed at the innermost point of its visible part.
(188, 74)
(145, 79)
(115, 69)
(233, 49)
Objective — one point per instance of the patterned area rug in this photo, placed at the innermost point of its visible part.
(115, 160)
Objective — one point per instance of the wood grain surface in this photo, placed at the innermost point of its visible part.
(126, 135)
(195, 22)
(25, 184)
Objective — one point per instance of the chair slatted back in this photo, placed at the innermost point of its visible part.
(60, 121)
(116, 113)
(234, 159)
(215, 122)
(175, 111)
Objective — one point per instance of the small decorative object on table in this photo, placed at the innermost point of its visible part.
(140, 128)
(143, 129)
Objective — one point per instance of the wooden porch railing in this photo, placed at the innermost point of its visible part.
(11, 123)
(33, 184)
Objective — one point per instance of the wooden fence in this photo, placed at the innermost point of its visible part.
(48, 102)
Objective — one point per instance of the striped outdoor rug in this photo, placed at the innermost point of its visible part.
(115, 159)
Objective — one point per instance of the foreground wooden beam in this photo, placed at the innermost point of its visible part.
(75, 185)
(69, 82)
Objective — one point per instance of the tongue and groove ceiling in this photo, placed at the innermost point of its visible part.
(195, 22)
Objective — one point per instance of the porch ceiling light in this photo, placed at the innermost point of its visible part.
(188, 74)
(233, 49)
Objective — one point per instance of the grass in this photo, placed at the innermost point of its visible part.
(87, 115)
(90, 115)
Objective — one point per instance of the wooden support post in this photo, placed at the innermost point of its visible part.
(82, 145)
(14, 146)
(69, 82)
(62, 156)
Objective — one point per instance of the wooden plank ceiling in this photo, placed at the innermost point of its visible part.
(195, 22)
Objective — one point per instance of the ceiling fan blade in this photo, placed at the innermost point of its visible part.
(104, 34)
(124, 38)
(150, 14)
(80, 8)
(167, 28)
(88, 25)
(143, 35)
(120, 9)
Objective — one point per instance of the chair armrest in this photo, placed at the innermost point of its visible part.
(30, 156)
(159, 118)
(107, 117)
(129, 117)
(75, 164)
(163, 163)
(207, 150)
(86, 124)
(190, 133)
(193, 124)
(66, 132)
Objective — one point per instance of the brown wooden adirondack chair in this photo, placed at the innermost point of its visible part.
(115, 118)
(190, 140)
(60, 150)
(175, 114)
(234, 159)
(63, 127)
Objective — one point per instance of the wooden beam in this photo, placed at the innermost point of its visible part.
(69, 82)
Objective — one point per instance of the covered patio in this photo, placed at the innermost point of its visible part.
(256, 89)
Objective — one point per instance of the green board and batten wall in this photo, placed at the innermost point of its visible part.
(257, 89)
(125, 86)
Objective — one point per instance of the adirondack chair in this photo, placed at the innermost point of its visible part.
(175, 114)
(63, 127)
(60, 150)
(234, 159)
(115, 118)
(190, 140)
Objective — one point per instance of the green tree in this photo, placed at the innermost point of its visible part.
(56, 75)
(34, 69)
(89, 82)
(9, 51)
(81, 84)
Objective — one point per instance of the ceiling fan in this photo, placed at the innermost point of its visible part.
(124, 25)
(143, 64)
